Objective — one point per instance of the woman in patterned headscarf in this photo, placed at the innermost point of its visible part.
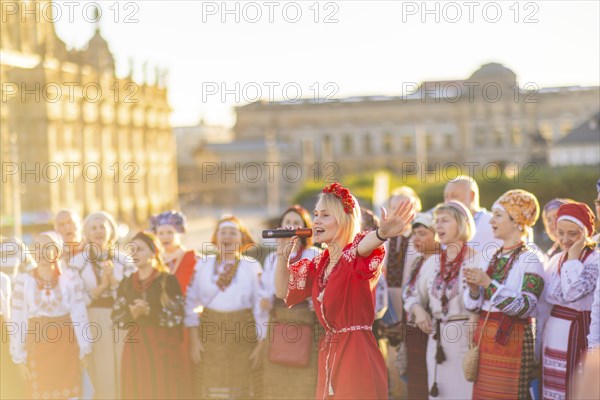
(571, 285)
(506, 295)
(549, 219)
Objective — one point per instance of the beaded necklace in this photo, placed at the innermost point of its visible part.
(448, 272)
(229, 271)
(499, 270)
(142, 285)
(46, 284)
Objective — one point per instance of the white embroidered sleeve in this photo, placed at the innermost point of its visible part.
(19, 318)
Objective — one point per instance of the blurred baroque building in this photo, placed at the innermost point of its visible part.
(75, 135)
(486, 118)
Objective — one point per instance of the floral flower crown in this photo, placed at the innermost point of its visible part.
(343, 194)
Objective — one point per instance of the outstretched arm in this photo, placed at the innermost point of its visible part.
(391, 225)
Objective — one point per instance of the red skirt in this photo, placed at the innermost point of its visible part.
(53, 359)
(151, 366)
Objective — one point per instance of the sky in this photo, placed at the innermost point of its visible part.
(225, 54)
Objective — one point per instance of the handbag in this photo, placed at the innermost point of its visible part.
(471, 359)
(291, 347)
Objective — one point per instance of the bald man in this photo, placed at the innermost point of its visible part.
(465, 189)
(68, 224)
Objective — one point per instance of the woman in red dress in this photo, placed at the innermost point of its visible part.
(342, 282)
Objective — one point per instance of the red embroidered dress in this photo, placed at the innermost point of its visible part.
(350, 364)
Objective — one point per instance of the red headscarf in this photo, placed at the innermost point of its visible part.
(578, 213)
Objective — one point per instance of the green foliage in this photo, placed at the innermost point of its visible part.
(578, 183)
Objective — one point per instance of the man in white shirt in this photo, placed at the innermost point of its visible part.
(464, 189)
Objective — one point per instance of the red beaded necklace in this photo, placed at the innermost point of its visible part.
(516, 250)
(229, 270)
(46, 284)
(141, 285)
(449, 270)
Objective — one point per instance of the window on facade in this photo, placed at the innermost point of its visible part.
(448, 142)
(498, 138)
(429, 143)
(347, 144)
(480, 137)
(546, 130)
(388, 143)
(516, 138)
(368, 146)
(327, 151)
(407, 143)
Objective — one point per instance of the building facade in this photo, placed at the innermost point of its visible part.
(579, 147)
(73, 134)
(486, 118)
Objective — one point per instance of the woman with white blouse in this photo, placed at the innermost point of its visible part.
(101, 266)
(223, 340)
(440, 286)
(573, 279)
(48, 311)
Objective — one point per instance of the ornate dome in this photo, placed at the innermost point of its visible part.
(493, 72)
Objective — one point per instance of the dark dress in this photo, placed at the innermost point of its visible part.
(152, 356)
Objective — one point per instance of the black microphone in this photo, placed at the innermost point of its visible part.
(287, 233)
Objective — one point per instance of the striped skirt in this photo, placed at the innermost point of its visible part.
(225, 370)
(152, 364)
(505, 370)
(565, 341)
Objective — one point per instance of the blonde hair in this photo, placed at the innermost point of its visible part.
(348, 224)
(112, 236)
(466, 230)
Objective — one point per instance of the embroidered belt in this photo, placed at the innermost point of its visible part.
(329, 370)
(505, 324)
(347, 329)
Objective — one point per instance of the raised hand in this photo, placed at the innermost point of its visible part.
(577, 248)
(393, 223)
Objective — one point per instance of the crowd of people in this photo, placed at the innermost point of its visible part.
(365, 308)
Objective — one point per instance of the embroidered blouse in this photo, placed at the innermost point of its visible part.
(28, 301)
(515, 293)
